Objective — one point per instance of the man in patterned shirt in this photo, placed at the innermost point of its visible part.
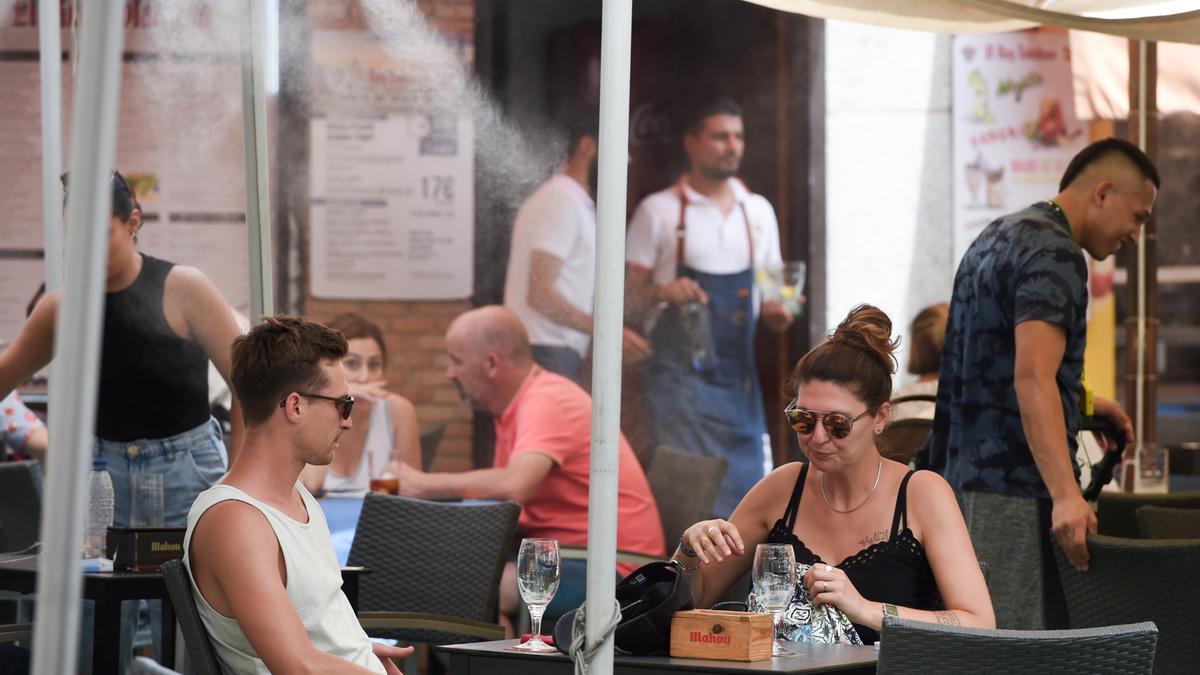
(1004, 432)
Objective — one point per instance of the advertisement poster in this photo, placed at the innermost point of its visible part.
(179, 141)
(1014, 125)
(392, 176)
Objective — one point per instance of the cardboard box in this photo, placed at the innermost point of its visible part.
(144, 549)
(727, 636)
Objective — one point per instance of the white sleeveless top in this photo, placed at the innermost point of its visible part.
(314, 585)
(377, 446)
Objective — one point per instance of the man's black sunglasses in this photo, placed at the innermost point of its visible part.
(345, 404)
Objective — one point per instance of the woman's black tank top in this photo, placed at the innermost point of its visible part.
(895, 571)
(153, 383)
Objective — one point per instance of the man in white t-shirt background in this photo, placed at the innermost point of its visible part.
(552, 261)
(693, 253)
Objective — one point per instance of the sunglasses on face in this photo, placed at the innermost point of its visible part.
(344, 404)
(805, 421)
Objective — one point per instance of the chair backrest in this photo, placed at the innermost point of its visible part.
(1117, 511)
(439, 558)
(431, 438)
(902, 438)
(20, 504)
(908, 646)
(200, 652)
(684, 487)
(1131, 580)
(1161, 522)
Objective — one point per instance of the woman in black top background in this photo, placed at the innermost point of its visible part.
(880, 537)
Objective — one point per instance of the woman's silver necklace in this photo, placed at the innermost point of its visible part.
(874, 487)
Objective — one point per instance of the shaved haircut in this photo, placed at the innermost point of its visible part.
(1102, 159)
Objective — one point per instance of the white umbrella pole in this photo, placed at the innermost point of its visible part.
(617, 21)
(1139, 424)
(254, 136)
(50, 75)
(77, 338)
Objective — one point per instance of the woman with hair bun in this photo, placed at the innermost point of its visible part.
(881, 539)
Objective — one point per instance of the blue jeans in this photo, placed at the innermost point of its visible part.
(562, 360)
(190, 462)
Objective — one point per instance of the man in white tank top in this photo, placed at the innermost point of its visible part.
(266, 581)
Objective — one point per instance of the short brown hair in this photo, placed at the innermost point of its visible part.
(928, 334)
(278, 356)
(857, 355)
(353, 326)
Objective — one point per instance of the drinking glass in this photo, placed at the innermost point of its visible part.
(775, 583)
(146, 509)
(791, 286)
(537, 578)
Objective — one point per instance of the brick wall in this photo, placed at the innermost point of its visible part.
(415, 331)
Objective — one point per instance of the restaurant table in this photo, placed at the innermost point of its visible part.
(493, 658)
(18, 573)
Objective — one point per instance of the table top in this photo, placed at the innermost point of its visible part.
(807, 658)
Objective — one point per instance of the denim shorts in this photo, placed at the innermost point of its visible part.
(190, 463)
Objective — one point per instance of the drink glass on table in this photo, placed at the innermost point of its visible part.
(775, 583)
(381, 480)
(537, 579)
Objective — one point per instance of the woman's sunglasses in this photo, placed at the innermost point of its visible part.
(344, 404)
(804, 421)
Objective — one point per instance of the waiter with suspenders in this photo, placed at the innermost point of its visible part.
(692, 253)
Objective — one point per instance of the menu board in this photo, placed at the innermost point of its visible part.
(392, 175)
(1015, 128)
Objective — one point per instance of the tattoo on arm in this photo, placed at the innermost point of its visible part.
(873, 538)
(947, 618)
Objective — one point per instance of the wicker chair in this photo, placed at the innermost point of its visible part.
(908, 646)
(902, 438)
(200, 652)
(1117, 511)
(439, 562)
(1160, 522)
(1131, 580)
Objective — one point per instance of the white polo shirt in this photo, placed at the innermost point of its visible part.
(559, 218)
(715, 242)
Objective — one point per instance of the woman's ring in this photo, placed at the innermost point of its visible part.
(828, 568)
(712, 529)
(824, 586)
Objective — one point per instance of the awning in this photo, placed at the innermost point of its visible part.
(1159, 20)
(1100, 70)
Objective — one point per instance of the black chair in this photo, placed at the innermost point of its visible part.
(1161, 522)
(200, 652)
(684, 486)
(1117, 511)
(908, 646)
(438, 562)
(431, 438)
(1132, 580)
(20, 504)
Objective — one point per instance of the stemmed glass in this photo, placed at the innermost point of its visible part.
(774, 584)
(537, 578)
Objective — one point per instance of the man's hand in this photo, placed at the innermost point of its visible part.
(635, 347)
(411, 480)
(1071, 520)
(367, 393)
(681, 291)
(776, 316)
(1106, 408)
(387, 652)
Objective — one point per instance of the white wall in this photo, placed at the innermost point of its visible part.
(888, 218)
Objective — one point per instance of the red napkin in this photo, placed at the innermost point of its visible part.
(548, 639)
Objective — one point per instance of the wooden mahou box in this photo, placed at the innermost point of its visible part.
(716, 634)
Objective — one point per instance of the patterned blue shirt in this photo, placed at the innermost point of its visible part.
(1022, 267)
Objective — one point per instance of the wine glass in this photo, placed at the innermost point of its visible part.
(775, 583)
(537, 578)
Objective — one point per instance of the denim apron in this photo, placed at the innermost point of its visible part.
(713, 408)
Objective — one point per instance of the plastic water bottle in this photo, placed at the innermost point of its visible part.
(100, 509)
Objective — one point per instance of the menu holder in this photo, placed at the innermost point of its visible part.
(722, 635)
(144, 549)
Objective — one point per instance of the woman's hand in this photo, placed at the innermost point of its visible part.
(367, 393)
(713, 540)
(828, 585)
